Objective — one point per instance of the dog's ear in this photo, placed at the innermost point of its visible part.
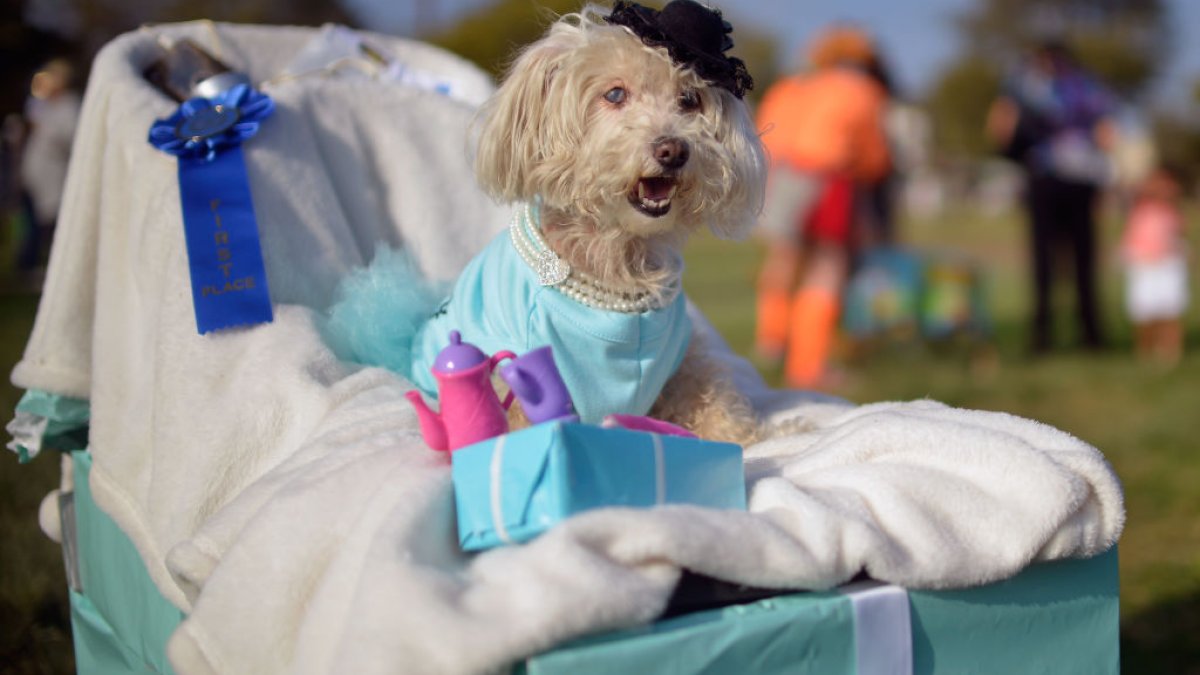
(514, 136)
(746, 162)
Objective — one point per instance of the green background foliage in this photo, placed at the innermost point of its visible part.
(491, 37)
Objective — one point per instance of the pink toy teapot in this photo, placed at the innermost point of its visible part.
(470, 409)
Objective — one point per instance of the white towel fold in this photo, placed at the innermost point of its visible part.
(352, 539)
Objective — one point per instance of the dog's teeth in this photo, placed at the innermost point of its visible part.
(654, 195)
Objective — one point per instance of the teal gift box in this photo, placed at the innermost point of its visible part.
(1056, 618)
(513, 487)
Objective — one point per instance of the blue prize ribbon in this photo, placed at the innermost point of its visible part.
(229, 281)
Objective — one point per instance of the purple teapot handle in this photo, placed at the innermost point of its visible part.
(495, 361)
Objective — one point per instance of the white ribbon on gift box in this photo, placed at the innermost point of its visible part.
(660, 471)
(882, 628)
(496, 471)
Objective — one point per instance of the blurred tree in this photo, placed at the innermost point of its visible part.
(22, 49)
(1177, 136)
(761, 54)
(92, 23)
(1178, 141)
(1128, 71)
(491, 36)
(959, 102)
(1125, 42)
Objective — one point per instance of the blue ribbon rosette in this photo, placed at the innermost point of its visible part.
(229, 281)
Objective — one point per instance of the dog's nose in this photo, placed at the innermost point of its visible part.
(671, 152)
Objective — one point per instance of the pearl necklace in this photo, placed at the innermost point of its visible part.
(578, 285)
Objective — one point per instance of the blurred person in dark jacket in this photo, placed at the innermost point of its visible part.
(1054, 119)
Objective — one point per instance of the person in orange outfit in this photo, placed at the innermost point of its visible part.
(824, 134)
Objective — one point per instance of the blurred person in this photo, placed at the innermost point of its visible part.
(12, 133)
(15, 202)
(823, 131)
(1154, 252)
(1054, 118)
(876, 213)
(12, 136)
(52, 112)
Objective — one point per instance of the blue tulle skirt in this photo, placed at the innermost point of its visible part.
(379, 310)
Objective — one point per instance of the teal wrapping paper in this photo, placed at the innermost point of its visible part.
(1059, 618)
(511, 488)
(45, 420)
(119, 617)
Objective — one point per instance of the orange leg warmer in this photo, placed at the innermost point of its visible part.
(813, 320)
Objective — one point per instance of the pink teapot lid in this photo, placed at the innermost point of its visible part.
(458, 355)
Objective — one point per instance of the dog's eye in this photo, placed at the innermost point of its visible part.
(689, 100)
(615, 96)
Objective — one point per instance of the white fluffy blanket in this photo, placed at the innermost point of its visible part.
(286, 501)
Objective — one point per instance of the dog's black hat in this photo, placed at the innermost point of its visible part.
(695, 36)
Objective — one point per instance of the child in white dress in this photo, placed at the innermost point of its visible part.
(1155, 255)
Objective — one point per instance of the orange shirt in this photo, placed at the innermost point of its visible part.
(829, 121)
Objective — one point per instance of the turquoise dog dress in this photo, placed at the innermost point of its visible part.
(611, 361)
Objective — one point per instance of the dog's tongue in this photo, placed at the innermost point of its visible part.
(655, 188)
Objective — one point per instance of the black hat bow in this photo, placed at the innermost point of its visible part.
(695, 36)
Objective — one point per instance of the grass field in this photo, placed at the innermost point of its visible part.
(1143, 419)
(35, 633)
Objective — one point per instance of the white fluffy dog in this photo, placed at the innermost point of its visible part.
(619, 134)
(609, 123)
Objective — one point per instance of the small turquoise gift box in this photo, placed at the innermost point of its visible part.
(513, 487)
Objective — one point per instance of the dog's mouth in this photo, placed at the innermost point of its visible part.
(652, 195)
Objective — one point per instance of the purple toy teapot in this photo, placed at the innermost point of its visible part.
(535, 379)
(470, 410)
